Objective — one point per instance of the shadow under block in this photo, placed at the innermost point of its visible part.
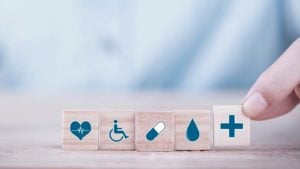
(109, 139)
(192, 130)
(154, 131)
(80, 130)
(231, 126)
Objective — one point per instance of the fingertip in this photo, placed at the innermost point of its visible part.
(255, 105)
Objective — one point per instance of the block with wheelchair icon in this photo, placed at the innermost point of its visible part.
(116, 130)
(80, 130)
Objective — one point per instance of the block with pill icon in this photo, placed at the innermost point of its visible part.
(231, 126)
(116, 130)
(80, 130)
(154, 131)
(192, 130)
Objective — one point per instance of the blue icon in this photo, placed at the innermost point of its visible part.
(155, 131)
(117, 131)
(192, 131)
(231, 126)
(80, 130)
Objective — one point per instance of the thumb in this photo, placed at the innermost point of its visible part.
(275, 86)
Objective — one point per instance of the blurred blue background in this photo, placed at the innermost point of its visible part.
(127, 45)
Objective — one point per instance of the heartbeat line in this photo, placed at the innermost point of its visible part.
(80, 130)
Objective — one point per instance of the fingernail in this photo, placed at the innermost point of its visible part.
(255, 105)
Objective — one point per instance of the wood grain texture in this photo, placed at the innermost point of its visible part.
(202, 118)
(145, 121)
(70, 141)
(221, 136)
(125, 121)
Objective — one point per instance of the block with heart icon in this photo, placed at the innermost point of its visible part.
(116, 130)
(80, 130)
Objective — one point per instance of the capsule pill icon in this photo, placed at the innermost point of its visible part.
(155, 131)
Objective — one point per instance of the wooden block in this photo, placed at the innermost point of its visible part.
(231, 126)
(80, 130)
(192, 130)
(154, 131)
(109, 139)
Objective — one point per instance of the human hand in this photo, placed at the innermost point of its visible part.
(277, 90)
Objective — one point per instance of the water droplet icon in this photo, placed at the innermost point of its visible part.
(192, 131)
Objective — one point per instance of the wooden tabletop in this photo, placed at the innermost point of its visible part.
(31, 133)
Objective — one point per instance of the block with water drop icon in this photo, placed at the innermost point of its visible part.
(80, 130)
(192, 130)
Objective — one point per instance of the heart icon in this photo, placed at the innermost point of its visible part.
(80, 130)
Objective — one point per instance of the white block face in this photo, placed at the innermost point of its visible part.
(80, 130)
(117, 130)
(154, 131)
(231, 126)
(192, 130)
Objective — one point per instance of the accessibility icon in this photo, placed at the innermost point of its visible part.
(117, 134)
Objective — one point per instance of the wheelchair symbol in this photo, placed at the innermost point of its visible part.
(117, 131)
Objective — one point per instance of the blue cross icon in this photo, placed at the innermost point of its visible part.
(231, 126)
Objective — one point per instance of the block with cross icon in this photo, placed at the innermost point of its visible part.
(117, 130)
(154, 131)
(80, 130)
(231, 126)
